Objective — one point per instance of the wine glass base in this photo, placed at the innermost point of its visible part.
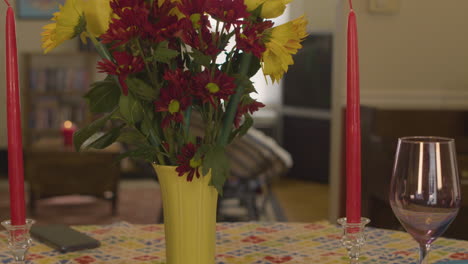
(354, 237)
(19, 239)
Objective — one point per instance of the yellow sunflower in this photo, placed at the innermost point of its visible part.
(75, 18)
(67, 25)
(281, 43)
(49, 35)
(270, 8)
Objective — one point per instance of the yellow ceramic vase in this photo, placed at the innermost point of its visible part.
(189, 217)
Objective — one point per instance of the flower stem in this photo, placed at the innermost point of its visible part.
(229, 58)
(187, 117)
(104, 53)
(234, 102)
(101, 49)
(150, 74)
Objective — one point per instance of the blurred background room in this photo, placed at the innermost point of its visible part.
(414, 81)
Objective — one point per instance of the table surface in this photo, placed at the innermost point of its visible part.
(245, 243)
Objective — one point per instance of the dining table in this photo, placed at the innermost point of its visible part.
(244, 243)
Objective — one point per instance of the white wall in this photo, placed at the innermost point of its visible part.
(416, 58)
(321, 15)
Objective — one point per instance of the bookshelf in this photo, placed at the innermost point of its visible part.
(53, 89)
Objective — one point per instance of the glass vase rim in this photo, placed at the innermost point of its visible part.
(426, 140)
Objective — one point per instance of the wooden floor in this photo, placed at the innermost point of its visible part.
(302, 201)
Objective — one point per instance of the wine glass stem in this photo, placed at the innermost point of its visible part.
(423, 253)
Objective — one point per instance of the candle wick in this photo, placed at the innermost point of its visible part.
(6, 1)
(350, 4)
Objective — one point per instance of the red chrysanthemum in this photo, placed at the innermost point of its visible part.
(119, 7)
(163, 24)
(199, 37)
(228, 11)
(125, 64)
(212, 87)
(249, 105)
(196, 26)
(250, 38)
(187, 161)
(174, 98)
(179, 78)
(130, 24)
(190, 7)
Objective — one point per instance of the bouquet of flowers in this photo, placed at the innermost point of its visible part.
(167, 60)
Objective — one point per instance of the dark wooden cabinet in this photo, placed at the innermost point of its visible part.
(381, 129)
(306, 109)
(53, 170)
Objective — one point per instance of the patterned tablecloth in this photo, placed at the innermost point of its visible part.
(245, 243)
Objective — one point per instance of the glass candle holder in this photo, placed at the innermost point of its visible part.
(353, 237)
(19, 239)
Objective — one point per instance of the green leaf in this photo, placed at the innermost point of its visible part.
(200, 58)
(216, 160)
(245, 82)
(242, 130)
(146, 153)
(106, 140)
(201, 151)
(248, 122)
(146, 126)
(103, 96)
(164, 54)
(254, 65)
(131, 109)
(148, 129)
(132, 137)
(141, 89)
(88, 131)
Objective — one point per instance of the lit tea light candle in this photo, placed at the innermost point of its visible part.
(68, 129)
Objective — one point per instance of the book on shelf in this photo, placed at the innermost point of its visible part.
(55, 79)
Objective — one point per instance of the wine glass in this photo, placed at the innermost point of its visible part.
(425, 189)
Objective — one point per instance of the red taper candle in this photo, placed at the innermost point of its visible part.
(353, 126)
(15, 143)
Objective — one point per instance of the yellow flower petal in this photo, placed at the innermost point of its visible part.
(282, 43)
(274, 8)
(65, 27)
(69, 19)
(48, 37)
(253, 4)
(270, 8)
(98, 14)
